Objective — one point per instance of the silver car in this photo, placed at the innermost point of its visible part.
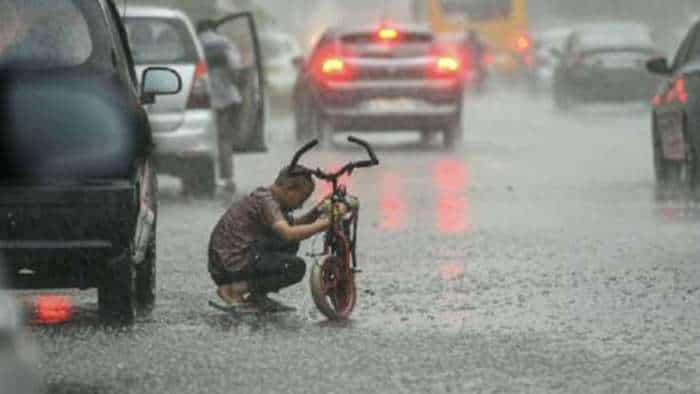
(184, 125)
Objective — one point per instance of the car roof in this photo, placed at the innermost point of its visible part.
(369, 29)
(152, 12)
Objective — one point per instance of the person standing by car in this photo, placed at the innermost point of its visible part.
(224, 60)
(476, 51)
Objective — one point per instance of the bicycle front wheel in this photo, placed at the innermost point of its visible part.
(333, 288)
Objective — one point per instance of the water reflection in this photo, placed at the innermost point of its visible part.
(452, 206)
(392, 204)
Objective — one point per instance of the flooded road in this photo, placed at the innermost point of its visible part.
(534, 258)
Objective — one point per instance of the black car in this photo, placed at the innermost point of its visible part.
(77, 184)
(604, 62)
(377, 78)
(676, 115)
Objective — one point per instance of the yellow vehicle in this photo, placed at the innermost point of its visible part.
(501, 24)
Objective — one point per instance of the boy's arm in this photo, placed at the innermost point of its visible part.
(302, 231)
(308, 217)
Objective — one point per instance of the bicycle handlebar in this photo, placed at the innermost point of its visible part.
(301, 152)
(347, 168)
(368, 148)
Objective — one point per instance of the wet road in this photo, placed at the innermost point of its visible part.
(532, 259)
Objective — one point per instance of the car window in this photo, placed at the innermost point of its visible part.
(42, 34)
(160, 40)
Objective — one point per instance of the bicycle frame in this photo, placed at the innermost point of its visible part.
(332, 281)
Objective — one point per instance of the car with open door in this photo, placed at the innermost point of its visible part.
(78, 188)
(676, 116)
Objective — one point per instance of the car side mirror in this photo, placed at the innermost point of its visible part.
(159, 81)
(298, 62)
(556, 52)
(659, 65)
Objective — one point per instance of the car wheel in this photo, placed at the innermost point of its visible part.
(146, 277)
(199, 179)
(325, 130)
(453, 134)
(562, 99)
(303, 120)
(116, 292)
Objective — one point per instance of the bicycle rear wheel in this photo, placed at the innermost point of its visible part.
(333, 288)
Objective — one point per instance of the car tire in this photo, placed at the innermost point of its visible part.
(146, 277)
(453, 134)
(116, 292)
(303, 121)
(199, 179)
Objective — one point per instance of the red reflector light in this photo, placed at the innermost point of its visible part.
(333, 65)
(53, 309)
(388, 34)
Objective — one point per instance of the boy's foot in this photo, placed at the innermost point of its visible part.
(243, 307)
(267, 304)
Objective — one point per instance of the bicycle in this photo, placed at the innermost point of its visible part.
(333, 280)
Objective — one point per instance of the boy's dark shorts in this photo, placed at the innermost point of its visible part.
(271, 266)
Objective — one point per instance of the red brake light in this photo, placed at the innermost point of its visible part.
(199, 94)
(678, 92)
(681, 92)
(53, 309)
(447, 64)
(388, 34)
(333, 66)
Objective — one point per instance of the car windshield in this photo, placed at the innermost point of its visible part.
(616, 36)
(160, 40)
(477, 9)
(40, 34)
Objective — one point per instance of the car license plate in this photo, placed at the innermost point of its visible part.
(392, 105)
(672, 143)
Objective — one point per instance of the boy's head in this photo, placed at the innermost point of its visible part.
(293, 188)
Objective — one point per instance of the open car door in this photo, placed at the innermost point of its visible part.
(249, 131)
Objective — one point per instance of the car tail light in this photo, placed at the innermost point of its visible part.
(330, 64)
(681, 92)
(523, 43)
(199, 94)
(678, 92)
(447, 65)
(333, 66)
(388, 34)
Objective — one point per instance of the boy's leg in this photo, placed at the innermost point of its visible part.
(274, 271)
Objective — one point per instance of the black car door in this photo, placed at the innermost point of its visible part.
(249, 133)
(670, 103)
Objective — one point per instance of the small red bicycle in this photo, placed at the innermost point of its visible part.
(333, 279)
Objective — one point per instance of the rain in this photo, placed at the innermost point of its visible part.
(506, 196)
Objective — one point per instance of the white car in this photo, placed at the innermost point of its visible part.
(279, 51)
(183, 125)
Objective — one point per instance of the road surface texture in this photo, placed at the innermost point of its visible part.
(534, 258)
